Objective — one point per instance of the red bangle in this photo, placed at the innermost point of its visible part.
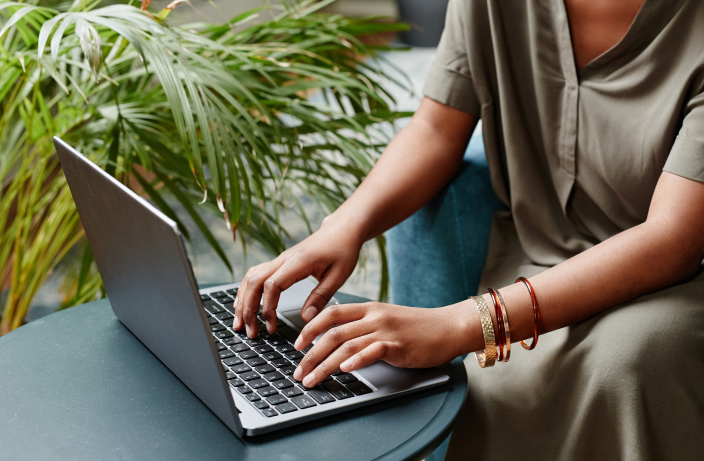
(536, 314)
(501, 343)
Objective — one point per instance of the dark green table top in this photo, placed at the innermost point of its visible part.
(77, 385)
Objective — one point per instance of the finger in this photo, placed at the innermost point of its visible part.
(251, 298)
(340, 314)
(379, 350)
(292, 271)
(332, 363)
(323, 293)
(333, 339)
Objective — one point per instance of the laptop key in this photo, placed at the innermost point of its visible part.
(291, 391)
(212, 307)
(263, 349)
(221, 347)
(346, 378)
(276, 340)
(269, 412)
(271, 356)
(296, 355)
(223, 316)
(281, 362)
(231, 341)
(212, 320)
(338, 373)
(232, 361)
(240, 347)
(222, 334)
(287, 332)
(256, 361)
(275, 376)
(229, 307)
(248, 376)
(239, 369)
(232, 291)
(224, 300)
(255, 342)
(285, 348)
(267, 391)
(338, 391)
(287, 407)
(303, 401)
(204, 297)
(288, 371)
(244, 390)
(257, 383)
(226, 354)
(260, 404)
(246, 355)
(231, 375)
(321, 396)
(276, 399)
(217, 327)
(218, 294)
(236, 382)
(359, 388)
(282, 384)
(252, 397)
(263, 369)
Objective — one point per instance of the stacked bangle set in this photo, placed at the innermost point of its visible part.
(497, 341)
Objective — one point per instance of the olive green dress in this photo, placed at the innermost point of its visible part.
(575, 155)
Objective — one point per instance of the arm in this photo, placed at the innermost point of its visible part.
(398, 185)
(667, 249)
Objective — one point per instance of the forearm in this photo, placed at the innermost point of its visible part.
(663, 251)
(420, 160)
(636, 262)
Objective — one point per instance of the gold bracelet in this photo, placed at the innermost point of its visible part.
(507, 330)
(487, 357)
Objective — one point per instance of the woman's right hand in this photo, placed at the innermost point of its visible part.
(330, 255)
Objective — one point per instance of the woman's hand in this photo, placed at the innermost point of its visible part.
(330, 255)
(357, 335)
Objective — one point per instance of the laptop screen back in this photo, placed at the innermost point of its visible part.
(148, 279)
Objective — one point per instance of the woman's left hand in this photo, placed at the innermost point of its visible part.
(357, 335)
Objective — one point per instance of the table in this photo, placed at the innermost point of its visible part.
(78, 385)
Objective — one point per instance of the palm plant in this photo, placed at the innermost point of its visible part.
(213, 116)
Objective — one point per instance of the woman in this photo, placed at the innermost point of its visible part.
(593, 121)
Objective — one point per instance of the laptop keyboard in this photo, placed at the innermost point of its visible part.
(261, 369)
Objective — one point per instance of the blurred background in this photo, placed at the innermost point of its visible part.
(426, 19)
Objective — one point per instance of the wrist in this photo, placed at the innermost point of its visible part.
(469, 334)
(349, 223)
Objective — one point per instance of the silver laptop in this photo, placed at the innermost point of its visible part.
(247, 383)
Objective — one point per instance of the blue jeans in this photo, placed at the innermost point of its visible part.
(436, 256)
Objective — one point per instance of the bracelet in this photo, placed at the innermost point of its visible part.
(536, 314)
(502, 320)
(501, 336)
(507, 330)
(487, 357)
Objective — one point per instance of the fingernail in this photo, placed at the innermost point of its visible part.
(269, 326)
(297, 374)
(308, 382)
(346, 364)
(235, 323)
(247, 329)
(311, 312)
(298, 343)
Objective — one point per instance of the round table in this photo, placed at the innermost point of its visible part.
(77, 385)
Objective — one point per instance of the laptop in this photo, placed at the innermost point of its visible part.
(150, 283)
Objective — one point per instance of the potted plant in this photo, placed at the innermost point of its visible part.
(212, 115)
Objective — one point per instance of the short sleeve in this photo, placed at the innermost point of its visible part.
(686, 158)
(449, 81)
